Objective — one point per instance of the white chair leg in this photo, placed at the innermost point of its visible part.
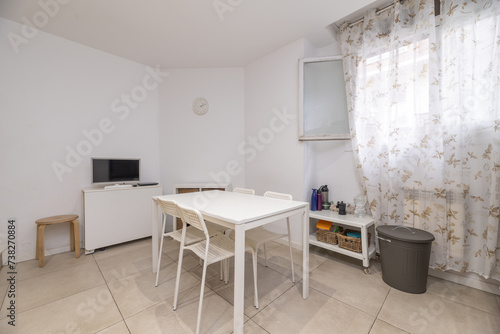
(179, 269)
(161, 248)
(198, 321)
(226, 270)
(290, 245)
(265, 255)
(256, 292)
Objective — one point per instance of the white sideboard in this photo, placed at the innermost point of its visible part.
(113, 216)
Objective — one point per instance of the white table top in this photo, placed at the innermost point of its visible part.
(235, 208)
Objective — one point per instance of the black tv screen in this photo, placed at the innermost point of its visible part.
(115, 170)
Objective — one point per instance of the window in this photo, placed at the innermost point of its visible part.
(322, 100)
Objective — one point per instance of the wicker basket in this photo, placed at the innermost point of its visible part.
(326, 236)
(351, 243)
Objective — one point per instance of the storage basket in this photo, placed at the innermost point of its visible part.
(326, 236)
(351, 243)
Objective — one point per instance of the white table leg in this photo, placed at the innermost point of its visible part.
(364, 247)
(239, 278)
(155, 233)
(305, 254)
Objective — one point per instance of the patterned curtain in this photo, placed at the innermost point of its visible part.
(424, 108)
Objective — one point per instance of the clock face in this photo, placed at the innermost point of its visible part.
(200, 106)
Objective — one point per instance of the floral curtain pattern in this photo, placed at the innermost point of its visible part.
(424, 109)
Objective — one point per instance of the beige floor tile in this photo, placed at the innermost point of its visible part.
(85, 312)
(350, 285)
(157, 319)
(137, 292)
(118, 328)
(461, 294)
(375, 266)
(271, 285)
(213, 271)
(290, 313)
(50, 287)
(252, 328)
(189, 261)
(170, 244)
(428, 313)
(381, 327)
(122, 248)
(3, 281)
(126, 263)
(279, 260)
(29, 269)
(217, 316)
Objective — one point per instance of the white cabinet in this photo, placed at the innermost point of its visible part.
(113, 216)
(347, 221)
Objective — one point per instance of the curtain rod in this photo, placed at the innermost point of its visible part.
(379, 11)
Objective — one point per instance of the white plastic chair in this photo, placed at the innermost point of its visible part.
(213, 249)
(244, 191)
(257, 237)
(192, 234)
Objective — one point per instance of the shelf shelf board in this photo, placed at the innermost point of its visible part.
(337, 249)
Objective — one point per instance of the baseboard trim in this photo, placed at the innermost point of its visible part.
(468, 279)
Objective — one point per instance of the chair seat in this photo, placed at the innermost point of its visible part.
(192, 235)
(221, 247)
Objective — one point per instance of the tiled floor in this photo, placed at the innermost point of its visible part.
(113, 292)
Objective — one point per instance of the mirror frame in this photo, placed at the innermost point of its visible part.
(302, 136)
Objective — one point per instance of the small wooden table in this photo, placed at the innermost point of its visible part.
(74, 234)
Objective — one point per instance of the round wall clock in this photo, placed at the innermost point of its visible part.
(200, 106)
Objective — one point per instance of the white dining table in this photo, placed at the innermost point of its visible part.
(240, 212)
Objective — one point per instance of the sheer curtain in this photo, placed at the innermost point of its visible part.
(424, 111)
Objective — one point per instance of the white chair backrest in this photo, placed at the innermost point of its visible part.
(244, 191)
(169, 207)
(193, 217)
(272, 194)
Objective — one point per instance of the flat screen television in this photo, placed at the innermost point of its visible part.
(115, 170)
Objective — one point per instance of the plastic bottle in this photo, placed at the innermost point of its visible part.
(324, 193)
(314, 200)
(320, 201)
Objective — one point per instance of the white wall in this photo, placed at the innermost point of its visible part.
(285, 164)
(198, 148)
(277, 161)
(330, 162)
(50, 92)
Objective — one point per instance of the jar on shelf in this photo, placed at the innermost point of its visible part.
(359, 205)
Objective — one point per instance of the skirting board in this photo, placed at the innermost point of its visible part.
(469, 279)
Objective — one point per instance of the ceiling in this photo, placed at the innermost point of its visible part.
(185, 33)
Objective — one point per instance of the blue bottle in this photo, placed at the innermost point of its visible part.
(314, 200)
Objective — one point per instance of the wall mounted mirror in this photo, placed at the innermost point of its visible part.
(322, 99)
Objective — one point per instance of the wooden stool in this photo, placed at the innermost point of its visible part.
(74, 234)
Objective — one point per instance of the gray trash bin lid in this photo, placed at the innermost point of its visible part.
(407, 234)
